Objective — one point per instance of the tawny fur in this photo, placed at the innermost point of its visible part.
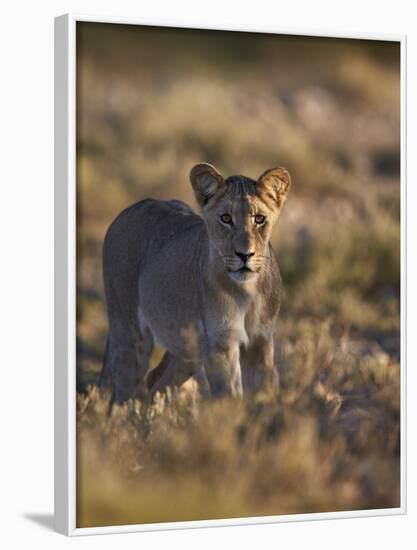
(207, 288)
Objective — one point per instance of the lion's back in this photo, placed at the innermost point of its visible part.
(149, 221)
(138, 235)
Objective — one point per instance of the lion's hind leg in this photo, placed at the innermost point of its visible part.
(129, 351)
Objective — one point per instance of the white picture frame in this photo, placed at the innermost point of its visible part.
(65, 282)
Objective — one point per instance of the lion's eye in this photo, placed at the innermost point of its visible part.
(226, 218)
(259, 219)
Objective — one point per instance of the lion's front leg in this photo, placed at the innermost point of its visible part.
(223, 370)
(257, 363)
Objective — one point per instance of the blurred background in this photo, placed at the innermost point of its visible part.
(151, 103)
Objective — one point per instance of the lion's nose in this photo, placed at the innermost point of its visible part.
(244, 256)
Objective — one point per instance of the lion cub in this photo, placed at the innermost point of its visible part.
(207, 288)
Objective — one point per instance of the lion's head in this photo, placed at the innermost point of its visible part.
(239, 214)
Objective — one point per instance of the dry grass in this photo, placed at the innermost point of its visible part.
(329, 440)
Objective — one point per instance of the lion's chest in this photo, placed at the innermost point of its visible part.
(238, 321)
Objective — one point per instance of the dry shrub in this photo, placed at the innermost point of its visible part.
(327, 441)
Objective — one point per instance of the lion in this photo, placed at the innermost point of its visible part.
(206, 287)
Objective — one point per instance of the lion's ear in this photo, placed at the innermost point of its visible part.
(206, 181)
(274, 184)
